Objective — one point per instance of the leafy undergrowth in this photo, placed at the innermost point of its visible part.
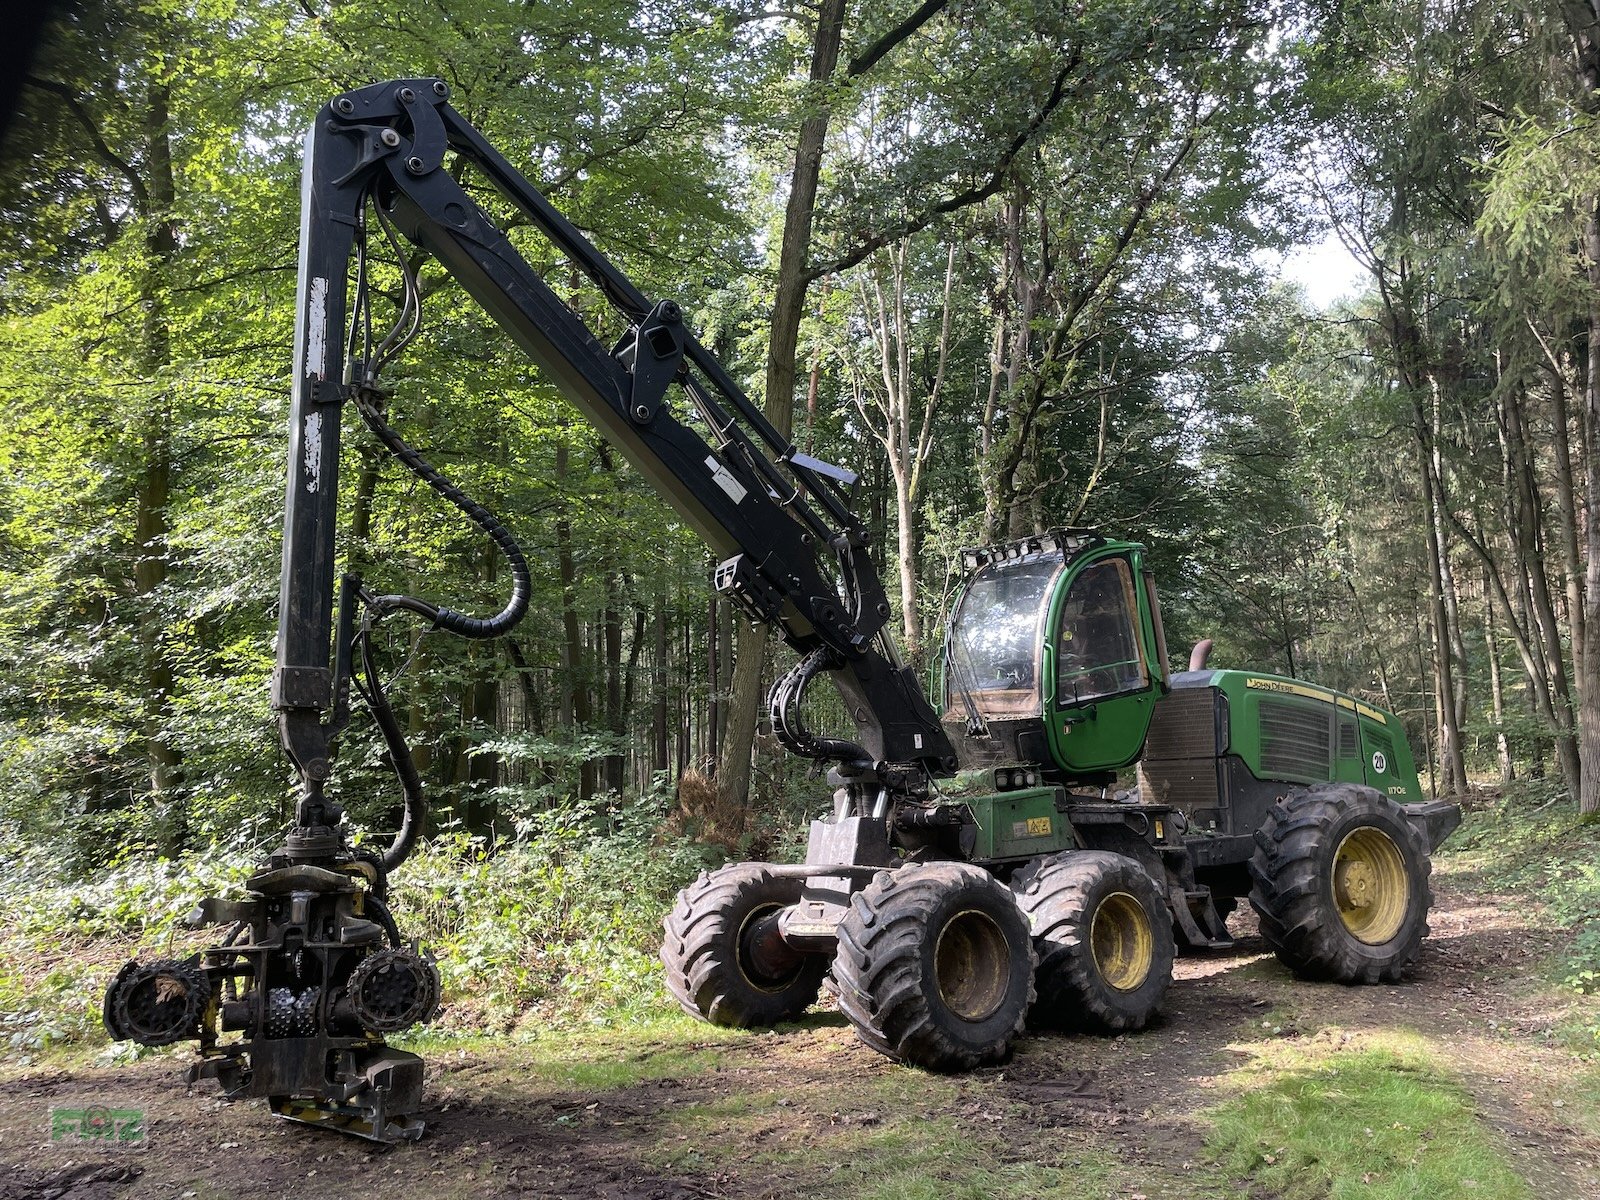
(562, 928)
(558, 929)
(1373, 1117)
(1552, 856)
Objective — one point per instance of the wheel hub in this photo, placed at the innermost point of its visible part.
(1357, 884)
(1370, 885)
(764, 959)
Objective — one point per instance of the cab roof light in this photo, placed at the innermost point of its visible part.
(1070, 542)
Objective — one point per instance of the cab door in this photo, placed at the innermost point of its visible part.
(1104, 668)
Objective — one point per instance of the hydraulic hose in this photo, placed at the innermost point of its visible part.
(368, 404)
(415, 813)
(783, 703)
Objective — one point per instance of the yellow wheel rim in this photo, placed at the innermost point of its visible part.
(1370, 886)
(972, 965)
(1122, 941)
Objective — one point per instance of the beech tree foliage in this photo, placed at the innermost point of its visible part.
(1012, 262)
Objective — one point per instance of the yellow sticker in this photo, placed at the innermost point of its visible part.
(1039, 827)
(1296, 689)
(1160, 831)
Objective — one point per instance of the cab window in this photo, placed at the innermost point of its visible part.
(1097, 644)
(994, 638)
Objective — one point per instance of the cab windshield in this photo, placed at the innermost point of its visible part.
(995, 638)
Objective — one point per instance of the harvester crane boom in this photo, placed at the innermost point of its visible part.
(792, 553)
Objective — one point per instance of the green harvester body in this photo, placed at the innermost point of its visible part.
(1054, 686)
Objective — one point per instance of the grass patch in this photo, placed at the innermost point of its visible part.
(903, 1135)
(906, 1155)
(1371, 1120)
(1583, 1104)
(590, 1060)
(673, 1048)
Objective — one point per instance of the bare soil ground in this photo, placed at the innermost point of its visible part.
(807, 1110)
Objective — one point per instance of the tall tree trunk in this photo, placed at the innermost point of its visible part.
(1567, 515)
(616, 724)
(1429, 727)
(575, 683)
(1497, 695)
(1523, 509)
(1455, 646)
(714, 670)
(1451, 763)
(1589, 678)
(733, 770)
(152, 523)
(906, 556)
(635, 753)
(659, 689)
(1583, 21)
(1005, 458)
(726, 620)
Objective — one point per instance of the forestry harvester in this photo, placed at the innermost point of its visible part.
(977, 868)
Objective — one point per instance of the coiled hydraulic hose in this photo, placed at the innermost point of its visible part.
(369, 404)
(783, 704)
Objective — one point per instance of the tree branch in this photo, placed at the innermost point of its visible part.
(869, 57)
(75, 106)
(973, 195)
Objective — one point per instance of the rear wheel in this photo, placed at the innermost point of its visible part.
(935, 966)
(1341, 884)
(1104, 939)
(715, 969)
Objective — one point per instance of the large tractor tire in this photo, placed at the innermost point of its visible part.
(1104, 939)
(935, 966)
(1341, 884)
(711, 970)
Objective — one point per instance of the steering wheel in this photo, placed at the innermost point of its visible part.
(1015, 672)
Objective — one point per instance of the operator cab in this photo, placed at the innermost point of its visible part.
(1055, 655)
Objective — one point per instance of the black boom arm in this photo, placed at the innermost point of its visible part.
(792, 553)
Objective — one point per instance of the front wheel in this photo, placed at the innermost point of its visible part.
(935, 966)
(1341, 884)
(1104, 939)
(713, 969)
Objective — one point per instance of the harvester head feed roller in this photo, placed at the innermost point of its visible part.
(394, 989)
(157, 1003)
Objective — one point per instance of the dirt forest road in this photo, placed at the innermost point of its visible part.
(674, 1110)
